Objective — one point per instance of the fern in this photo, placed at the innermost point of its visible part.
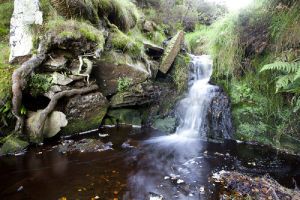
(283, 82)
(282, 66)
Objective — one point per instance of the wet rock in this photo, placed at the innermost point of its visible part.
(123, 116)
(140, 94)
(84, 145)
(113, 67)
(60, 79)
(26, 13)
(55, 64)
(220, 124)
(238, 185)
(53, 124)
(167, 124)
(85, 112)
(171, 52)
(13, 145)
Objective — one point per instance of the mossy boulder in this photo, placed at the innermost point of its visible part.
(114, 67)
(13, 145)
(137, 95)
(84, 112)
(171, 52)
(123, 116)
(79, 37)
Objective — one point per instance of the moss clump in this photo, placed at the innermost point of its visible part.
(6, 10)
(180, 72)
(124, 84)
(126, 44)
(40, 84)
(72, 29)
(13, 145)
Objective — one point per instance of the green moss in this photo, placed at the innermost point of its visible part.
(39, 84)
(167, 125)
(75, 29)
(6, 10)
(13, 145)
(180, 72)
(126, 44)
(81, 125)
(124, 84)
(123, 116)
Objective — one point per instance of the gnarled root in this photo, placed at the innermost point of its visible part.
(38, 130)
(19, 81)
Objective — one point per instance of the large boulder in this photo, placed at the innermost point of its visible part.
(171, 52)
(113, 67)
(85, 112)
(26, 13)
(219, 118)
(140, 94)
(53, 124)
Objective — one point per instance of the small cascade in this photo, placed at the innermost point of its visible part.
(192, 110)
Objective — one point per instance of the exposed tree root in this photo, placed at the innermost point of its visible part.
(19, 81)
(38, 130)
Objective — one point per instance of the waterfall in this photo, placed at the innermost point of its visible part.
(192, 110)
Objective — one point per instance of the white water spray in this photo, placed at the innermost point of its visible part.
(192, 110)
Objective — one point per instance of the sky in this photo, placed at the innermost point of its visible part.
(233, 5)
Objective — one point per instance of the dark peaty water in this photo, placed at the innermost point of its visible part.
(175, 167)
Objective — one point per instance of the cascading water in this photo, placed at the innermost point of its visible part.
(192, 110)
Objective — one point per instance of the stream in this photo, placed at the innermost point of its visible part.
(138, 164)
(143, 163)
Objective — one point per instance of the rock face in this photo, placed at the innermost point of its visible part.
(168, 124)
(26, 13)
(140, 94)
(111, 68)
(153, 50)
(85, 112)
(123, 116)
(219, 117)
(171, 52)
(56, 64)
(55, 121)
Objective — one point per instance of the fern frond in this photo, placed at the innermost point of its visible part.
(283, 81)
(282, 66)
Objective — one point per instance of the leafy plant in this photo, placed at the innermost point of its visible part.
(39, 84)
(289, 80)
(124, 84)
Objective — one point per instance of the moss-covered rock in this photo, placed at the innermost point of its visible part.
(124, 43)
(114, 67)
(171, 52)
(123, 116)
(85, 112)
(13, 145)
(63, 30)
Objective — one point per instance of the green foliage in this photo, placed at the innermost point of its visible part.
(124, 84)
(39, 84)
(76, 30)
(121, 41)
(289, 80)
(6, 10)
